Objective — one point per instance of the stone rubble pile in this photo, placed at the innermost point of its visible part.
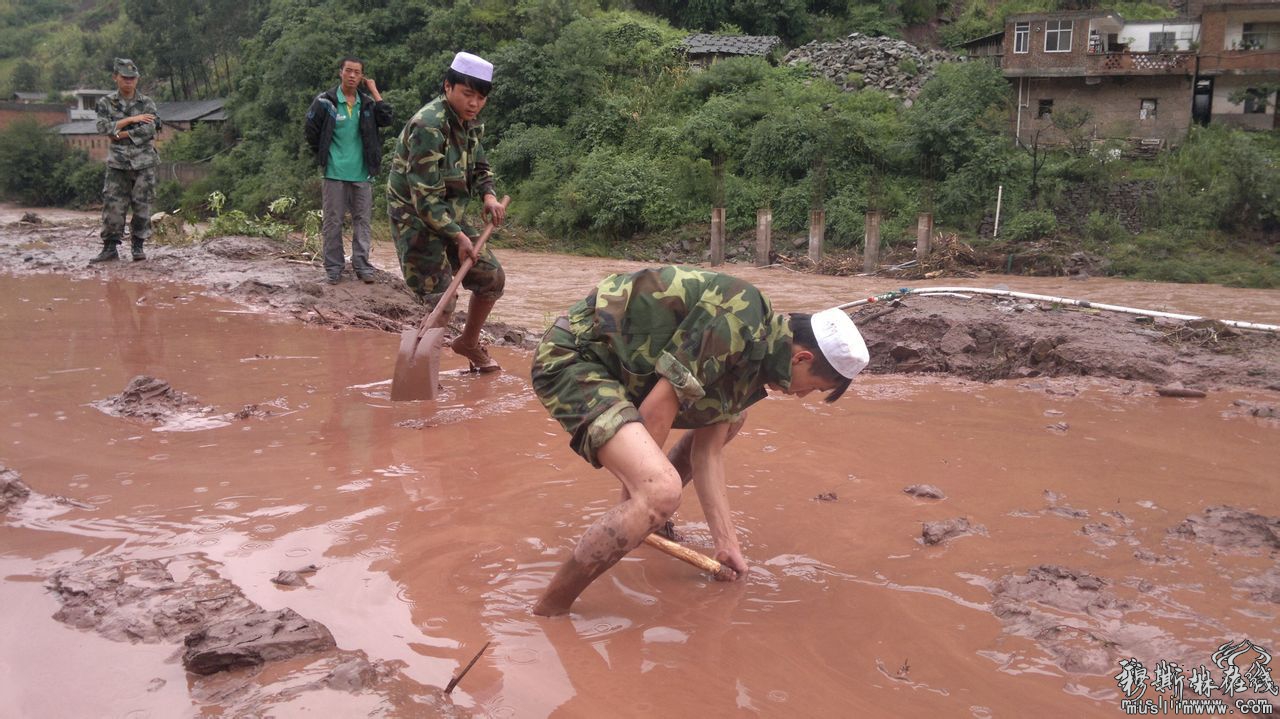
(895, 66)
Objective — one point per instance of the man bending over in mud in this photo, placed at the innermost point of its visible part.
(683, 348)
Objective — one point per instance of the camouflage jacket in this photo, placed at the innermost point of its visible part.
(715, 337)
(139, 150)
(438, 165)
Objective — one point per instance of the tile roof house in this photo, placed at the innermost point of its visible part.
(704, 50)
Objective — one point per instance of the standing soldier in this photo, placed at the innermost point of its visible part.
(342, 132)
(129, 119)
(438, 166)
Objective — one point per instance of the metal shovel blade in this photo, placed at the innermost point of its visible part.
(417, 365)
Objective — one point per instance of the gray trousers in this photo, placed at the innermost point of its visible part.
(340, 198)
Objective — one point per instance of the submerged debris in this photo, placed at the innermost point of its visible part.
(151, 399)
(13, 491)
(924, 491)
(937, 532)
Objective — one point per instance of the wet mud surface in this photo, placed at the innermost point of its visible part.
(1105, 521)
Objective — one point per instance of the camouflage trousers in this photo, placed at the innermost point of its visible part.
(580, 392)
(122, 191)
(428, 261)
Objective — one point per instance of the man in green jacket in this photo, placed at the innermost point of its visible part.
(683, 348)
(438, 166)
(130, 121)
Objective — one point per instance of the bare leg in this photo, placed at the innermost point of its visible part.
(654, 493)
(468, 343)
(681, 457)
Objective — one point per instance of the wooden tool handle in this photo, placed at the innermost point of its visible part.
(697, 559)
(458, 276)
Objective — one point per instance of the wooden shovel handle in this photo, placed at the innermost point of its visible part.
(697, 559)
(458, 276)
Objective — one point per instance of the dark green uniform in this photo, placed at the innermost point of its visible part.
(130, 181)
(715, 337)
(438, 166)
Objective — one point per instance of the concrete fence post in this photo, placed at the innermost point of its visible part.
(717, 236)
(764, 235)
(924, 233)
(817, 232)
(871, 243)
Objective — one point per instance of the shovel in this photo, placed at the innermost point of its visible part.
(418, 362)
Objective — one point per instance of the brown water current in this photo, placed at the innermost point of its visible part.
(433, 526)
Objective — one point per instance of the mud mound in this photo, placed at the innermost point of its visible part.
(150, 399)
(241, 248)
(987, 338)
(13, 491)
(139, 600)
(1231, 529)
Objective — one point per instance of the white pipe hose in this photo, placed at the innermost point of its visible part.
(960, 291)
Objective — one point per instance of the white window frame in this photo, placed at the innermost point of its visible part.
(1060, 28)
(1148, 107)
(1155, 45)
(1022, 37)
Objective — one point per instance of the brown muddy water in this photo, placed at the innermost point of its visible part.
(434, 526)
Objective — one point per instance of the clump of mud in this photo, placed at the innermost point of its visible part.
(1231, 529)
(241, 248)
(150, 399)
(13, 491)
(1065, 611)
(938, 532)
(140, 601)
(924, 491)
(253, 640)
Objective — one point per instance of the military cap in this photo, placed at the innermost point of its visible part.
(125, 68)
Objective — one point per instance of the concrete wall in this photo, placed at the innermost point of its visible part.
(1115, 104)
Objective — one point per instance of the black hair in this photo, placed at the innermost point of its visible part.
(350, 58)
(802, 332)
(453, 77)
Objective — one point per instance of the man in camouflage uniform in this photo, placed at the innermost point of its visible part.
(129, 119)
(438, 166)
(683, 348)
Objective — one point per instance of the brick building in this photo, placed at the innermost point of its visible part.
(702, 51)
(1142, 81)
(177, 117)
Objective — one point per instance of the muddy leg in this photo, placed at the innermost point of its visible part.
(477, 312)
(654, 489)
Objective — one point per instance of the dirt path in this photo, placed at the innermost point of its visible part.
(979, 338)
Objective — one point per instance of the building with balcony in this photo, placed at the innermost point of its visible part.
(1136, 80)
(1141, 81)
(1239, 65)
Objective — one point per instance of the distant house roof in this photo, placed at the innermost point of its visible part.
(21, 96)
(79, 127)
(192, 110)
(730, 44)
(984, 40)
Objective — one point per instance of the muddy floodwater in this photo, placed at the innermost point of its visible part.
(1072, 532)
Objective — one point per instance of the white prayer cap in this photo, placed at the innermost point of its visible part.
(473, 66)
(840, 342)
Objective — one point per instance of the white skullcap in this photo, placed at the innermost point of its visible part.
(840, 342)
(473, 66)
